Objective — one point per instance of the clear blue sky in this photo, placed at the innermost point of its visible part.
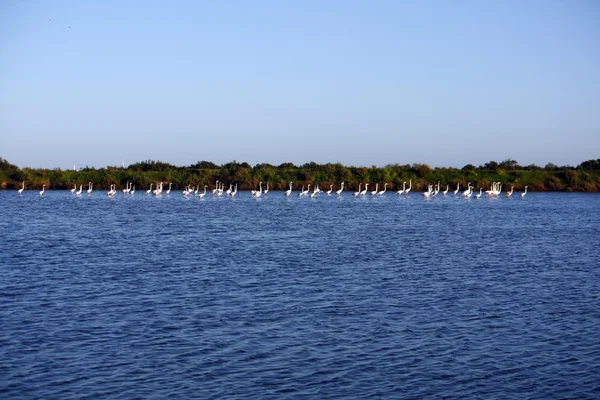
(445, 83)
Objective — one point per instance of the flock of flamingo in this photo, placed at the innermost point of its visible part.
(219, 189)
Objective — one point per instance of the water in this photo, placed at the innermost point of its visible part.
(143, 297)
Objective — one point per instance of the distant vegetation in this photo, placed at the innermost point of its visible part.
(583, 178)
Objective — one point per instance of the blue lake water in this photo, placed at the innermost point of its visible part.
(391, 297)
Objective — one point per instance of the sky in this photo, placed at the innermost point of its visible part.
(445, 83)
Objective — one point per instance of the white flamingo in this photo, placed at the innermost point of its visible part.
(469, 192)
(288, 192)
(305, 192)
(267, 189)
(301, 192)
(403, 188)
(257, 194)
(479, 194)
(74, 189)
(338, 192)
(234, 191)
(201, 195)
(429, 192)
(466, 192)
(330, 190)
(23, 188)
(357, 193)
(168, 192)
(132, 190)
(457, 189)
(374, 192)
(80, 190)
(149, 190)
(508, 194)
(43, 190)
(446, 191)
(89, 191)
(159, 189)
(384, 189)
(365, 190)
(525, 192)
(216, 187)
(409, 187)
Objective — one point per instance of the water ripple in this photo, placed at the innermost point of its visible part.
(387, 298)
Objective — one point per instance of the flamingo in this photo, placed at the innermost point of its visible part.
(508, 194)
(357, 193)
(403, 188)
(457, 189)
(149, 190)
(466, 192)
(89, 191)
(429, 192)
(132, 191)
(365, 190)
(409, 187)
(234, 191)
(80, 189)
(201, 195)
(159, 189)
(301, 192)
(43, 190)
(127, 189)
(305, 192)
(330, 190)
(525, 192)
(216, 187)
(267, 189)
(288, 192)
(374, 192)
(168, 192)
(338, 192)
(74, 189)
(23, 188)
(469, 192)
(384, 189)
(479, 194)
(257, 194)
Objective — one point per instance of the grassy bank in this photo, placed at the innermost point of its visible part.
(583, 178)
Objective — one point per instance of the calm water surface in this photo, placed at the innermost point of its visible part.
(143, 297)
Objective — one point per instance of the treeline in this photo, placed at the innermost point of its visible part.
(584, 177)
